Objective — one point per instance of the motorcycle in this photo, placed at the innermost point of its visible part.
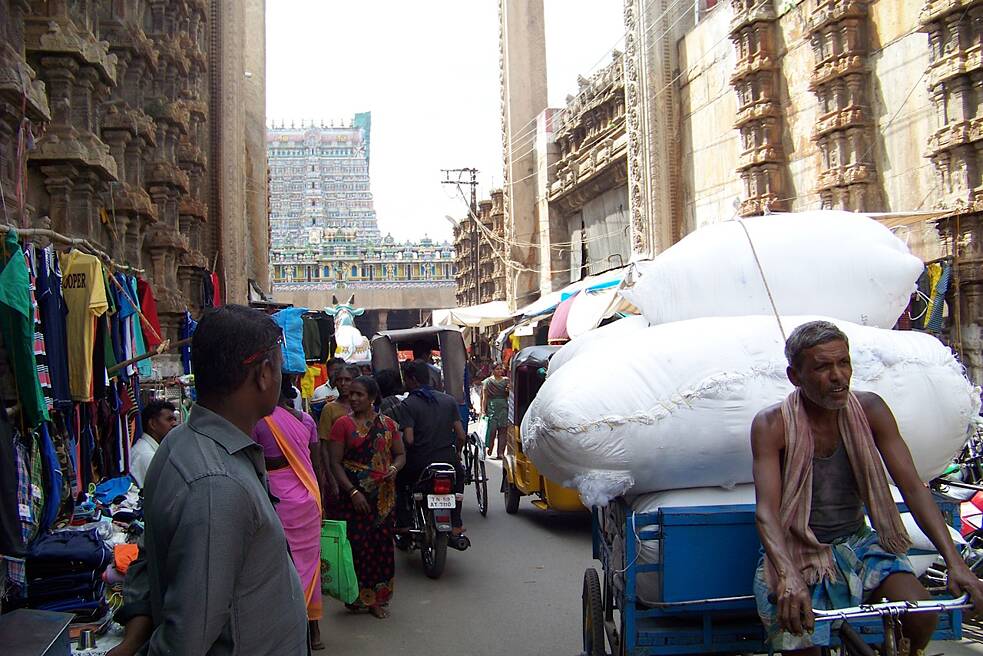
(433, 499)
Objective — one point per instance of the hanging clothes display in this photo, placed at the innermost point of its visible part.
(85, 296)
(68, 425)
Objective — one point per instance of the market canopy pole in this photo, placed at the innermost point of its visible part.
(164, 347)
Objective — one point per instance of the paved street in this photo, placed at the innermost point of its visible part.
(516, 591)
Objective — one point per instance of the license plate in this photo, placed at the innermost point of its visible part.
(440, 501)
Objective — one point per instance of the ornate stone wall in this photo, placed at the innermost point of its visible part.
(104, 128)
(955, 82)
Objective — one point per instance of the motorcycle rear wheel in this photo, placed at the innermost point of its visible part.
(433, 549)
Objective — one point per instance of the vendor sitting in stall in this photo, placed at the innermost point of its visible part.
(817, 465)
(159, 417)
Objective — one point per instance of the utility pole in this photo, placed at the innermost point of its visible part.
(475, 240)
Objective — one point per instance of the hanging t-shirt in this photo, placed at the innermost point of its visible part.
(217, 301)
(53, 323)
(140, 345)
(292, 325)
(17, 326)
(85, 295)
(148, 305)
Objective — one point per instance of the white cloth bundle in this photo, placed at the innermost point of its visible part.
(643, 409)
(837, 264)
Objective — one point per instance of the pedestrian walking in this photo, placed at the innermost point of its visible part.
(366, 454)
(495, 407)
(290, 448)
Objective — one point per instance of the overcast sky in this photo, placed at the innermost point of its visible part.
(428, 72)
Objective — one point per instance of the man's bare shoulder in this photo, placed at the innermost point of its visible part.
(768, 427)
(878, 413)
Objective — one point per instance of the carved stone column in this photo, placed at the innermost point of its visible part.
(762, 163)
(78, 71)
(843, 131)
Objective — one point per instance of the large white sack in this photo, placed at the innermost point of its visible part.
(837, 264)
(670, 406)
(648, 583)
(597, 338)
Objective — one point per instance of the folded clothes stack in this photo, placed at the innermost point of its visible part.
(64, 573)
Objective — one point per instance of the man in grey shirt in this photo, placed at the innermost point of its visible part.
(215, 575)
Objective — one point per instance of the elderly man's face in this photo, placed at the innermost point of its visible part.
(824, 374)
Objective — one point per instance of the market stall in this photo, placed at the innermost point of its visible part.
(79, 332)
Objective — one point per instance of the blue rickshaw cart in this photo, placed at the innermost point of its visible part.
(707, 558)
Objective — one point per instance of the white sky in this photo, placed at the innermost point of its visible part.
(428, 72)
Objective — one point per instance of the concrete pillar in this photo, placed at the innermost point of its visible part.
(523, 82)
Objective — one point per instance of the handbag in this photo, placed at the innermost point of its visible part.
(338, 578)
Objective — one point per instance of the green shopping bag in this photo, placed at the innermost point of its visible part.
(337, 567)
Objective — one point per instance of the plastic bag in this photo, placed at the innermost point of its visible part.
(837, 264)
(338, 578)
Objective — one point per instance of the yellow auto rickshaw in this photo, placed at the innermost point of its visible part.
(520, 477)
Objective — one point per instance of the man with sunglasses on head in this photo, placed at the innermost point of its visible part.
(214, 575)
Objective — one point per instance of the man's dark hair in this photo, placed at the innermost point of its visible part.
(354, 370)
(809, 335)
(368, 383)
(335, 362)
(417, 370)
(389, 382)
(225, 339)
(153, 409)
(422, 351)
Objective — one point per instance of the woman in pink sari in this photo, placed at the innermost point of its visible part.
(290, 446)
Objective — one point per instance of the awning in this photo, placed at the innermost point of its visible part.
(528, 327)
(589, 309)
(473, 316)
(548, 302)
(558, 326)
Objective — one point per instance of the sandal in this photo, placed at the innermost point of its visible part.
(357, 609)
(380, 612)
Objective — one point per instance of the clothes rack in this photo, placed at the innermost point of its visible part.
(83, 245)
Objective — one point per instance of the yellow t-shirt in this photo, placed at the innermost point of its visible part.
(84, 290)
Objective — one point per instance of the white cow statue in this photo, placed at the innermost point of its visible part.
(351, 344)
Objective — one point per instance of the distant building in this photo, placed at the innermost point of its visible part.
(323, 227)
(489, 265)
(324, 235)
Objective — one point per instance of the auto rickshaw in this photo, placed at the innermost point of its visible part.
(387, 344)
(519, 475)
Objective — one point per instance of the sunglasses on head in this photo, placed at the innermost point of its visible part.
(258, 354)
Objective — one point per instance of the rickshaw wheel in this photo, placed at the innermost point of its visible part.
(593, 614)
(512, 497)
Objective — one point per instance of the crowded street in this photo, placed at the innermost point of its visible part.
(518, 585)
(486, 328)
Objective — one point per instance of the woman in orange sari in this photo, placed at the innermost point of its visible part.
(290, 446)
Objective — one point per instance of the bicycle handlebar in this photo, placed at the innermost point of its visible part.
(896, 608)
